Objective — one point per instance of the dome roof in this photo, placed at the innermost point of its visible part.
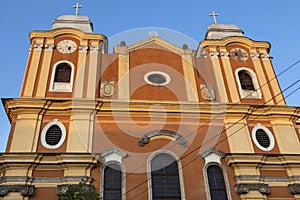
(79, 22)
(220, 31)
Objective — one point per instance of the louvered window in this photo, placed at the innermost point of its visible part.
(246, 80)
(53, 135)
(262, 138)
(216, 183)
(63, 73)
(165, 178)
(112, 182)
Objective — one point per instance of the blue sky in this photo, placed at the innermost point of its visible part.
(274, 21)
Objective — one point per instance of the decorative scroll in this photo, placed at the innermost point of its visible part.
(25, 190)
(244, 188)
(207, 92)
(294, 188)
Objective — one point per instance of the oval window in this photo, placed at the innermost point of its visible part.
(157, 78)
(53, 135)
(263, 138)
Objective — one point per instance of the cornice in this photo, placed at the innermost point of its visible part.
(66, 31)
(120, 108)
(262, 159)
(237, 40)
(8, 160)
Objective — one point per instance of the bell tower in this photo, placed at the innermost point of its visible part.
(64, 61)
(63, 64)
(243, 66)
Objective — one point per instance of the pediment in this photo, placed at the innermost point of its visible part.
(158, 43)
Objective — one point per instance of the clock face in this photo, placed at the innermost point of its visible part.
(66, 46)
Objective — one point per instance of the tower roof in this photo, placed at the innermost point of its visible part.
(79, 22)
(220, 31)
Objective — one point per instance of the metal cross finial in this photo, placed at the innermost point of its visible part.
(214, 15)
(77, 6)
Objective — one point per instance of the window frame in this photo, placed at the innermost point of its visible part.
(269, 134)
(180, 172)
(69, 85)
(44, 132)
(165, 75)
(244, 93)
(225, 177)
(123, 178)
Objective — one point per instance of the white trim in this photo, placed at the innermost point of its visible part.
(180, 173)
(168, 78)
(63, 134)
(269, 134)
(123, 178)
(64, 87)
(225, 177)
(256, 93)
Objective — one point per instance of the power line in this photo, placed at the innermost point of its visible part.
(231, 106)
(148, 179)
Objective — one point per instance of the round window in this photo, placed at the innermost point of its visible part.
(157, 78)
(53, 135)
(263, 138)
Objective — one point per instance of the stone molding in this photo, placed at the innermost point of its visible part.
(244, 188)
(146, 138)
(294, 188)
(24, 190)
(38, 47)
(113, 150)
(267, 178)
(22, 179)
(83, 48)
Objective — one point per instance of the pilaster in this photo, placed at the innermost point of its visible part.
(189, 76)
(32, 67)
(81, 67)
(230, 80)
(45, 68)
(214, 55)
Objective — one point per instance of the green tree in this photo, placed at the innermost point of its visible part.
(80, 192)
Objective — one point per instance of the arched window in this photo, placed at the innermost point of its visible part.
(247, 83)
(62, 76)
(165, 177)
(216, 183)
(63, 73)
(246, 80)
(112, 182)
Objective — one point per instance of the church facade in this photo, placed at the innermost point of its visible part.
(150, 120)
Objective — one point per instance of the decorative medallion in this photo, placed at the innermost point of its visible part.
(66, 46)
(239, 54)
(207, 92)
(107, 88)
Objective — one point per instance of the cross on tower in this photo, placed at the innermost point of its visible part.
(77, 6)
(214, 15)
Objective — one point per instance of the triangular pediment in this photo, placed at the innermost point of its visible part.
(156, 42)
